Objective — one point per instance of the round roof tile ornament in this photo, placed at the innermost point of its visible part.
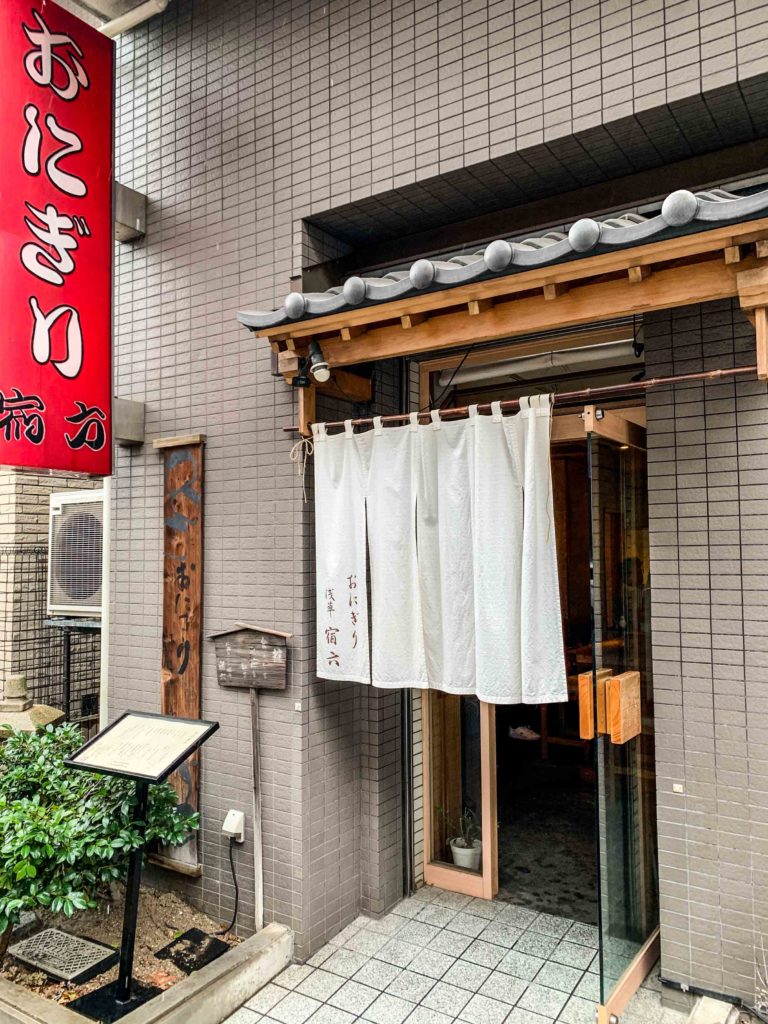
(584, 234)
(294, 305)
(354, 291)
(422, 273)
(679, 208)
(498, 255)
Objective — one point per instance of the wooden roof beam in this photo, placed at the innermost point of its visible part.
(684, 285)
(703, 244)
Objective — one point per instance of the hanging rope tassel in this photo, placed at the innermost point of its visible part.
(300, 452)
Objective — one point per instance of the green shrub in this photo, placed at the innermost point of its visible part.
(64, 833)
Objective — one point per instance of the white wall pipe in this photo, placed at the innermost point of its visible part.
(106, 550)
(133, 18)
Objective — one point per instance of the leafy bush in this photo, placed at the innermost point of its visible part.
(64, 833)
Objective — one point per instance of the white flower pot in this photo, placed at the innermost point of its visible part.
(467, 857)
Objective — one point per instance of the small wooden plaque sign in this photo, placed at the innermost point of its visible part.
(587, 704)
(624, 710)
(251, 657)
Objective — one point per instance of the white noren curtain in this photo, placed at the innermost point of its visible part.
(461, 541)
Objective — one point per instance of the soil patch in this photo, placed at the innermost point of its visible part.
(162, 917)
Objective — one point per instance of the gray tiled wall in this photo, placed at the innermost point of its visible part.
(708, 496)
(238, 119)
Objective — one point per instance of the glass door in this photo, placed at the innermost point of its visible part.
(622, 713)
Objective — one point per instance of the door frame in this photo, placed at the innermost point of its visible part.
(484, 884)
(624, 423)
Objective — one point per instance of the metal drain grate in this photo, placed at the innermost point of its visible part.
(63, 956)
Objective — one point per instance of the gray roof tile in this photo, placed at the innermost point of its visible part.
(682, 210)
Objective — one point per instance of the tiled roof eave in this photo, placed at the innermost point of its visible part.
(682, 213)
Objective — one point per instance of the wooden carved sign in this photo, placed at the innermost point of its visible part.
(251, 657)
(182, 614)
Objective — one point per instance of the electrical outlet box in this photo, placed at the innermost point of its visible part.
(234, 826)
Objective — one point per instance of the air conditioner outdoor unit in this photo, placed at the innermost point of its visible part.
(75, 542)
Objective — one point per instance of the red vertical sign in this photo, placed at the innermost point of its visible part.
(55, 240)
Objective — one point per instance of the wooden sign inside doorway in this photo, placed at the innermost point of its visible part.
(182, 615)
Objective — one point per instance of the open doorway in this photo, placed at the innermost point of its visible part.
(545, 770)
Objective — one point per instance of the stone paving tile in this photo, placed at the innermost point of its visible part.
(321, 955)
(387, 1009)
(536, 944)
(331, 1015)
(484, 953)
(503, 987)
(588, 987)
(397, 952)
(572, 955)
(578, 1011)
(265, 998)
(345, 933)
(466, 975)
(550, 924)
(483, 1010)
(564, 979)
(438, 916)
(377, 974)
(431, 962)
(502, 933)
(442, 958)
(584, 934)
(293, 975)
(366, 942)
(410, 986)
(243, 1016)
(345, 962)
(488, 909)
(320, 985)
(520, 917)
(546, 1001)
(408, 908)
(451, 943)
(390, 924)
(520, 1016)
(419, 933)
(446, 998)
(426, 893)
(521, 965)
(455, 900)
(467, 924)
(294, 1009)
(353, 997)
(423, 1015)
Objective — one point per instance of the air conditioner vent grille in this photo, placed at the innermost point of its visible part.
(75, 555)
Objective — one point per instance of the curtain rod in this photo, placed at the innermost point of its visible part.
(584, 394)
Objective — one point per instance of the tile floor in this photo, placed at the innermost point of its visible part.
(439, 957)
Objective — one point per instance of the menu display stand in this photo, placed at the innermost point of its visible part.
(146, 748)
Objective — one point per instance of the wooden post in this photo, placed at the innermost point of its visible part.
(182, 613)
(761, 341)
(258, 857)
(307, 409)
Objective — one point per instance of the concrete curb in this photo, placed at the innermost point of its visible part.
(712, 1011)
(208, 996)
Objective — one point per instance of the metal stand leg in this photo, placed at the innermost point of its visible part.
(131, 914)
(67, 673)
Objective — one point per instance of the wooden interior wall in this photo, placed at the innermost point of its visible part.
(445, 768)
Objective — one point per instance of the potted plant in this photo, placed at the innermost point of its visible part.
(464, 839)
